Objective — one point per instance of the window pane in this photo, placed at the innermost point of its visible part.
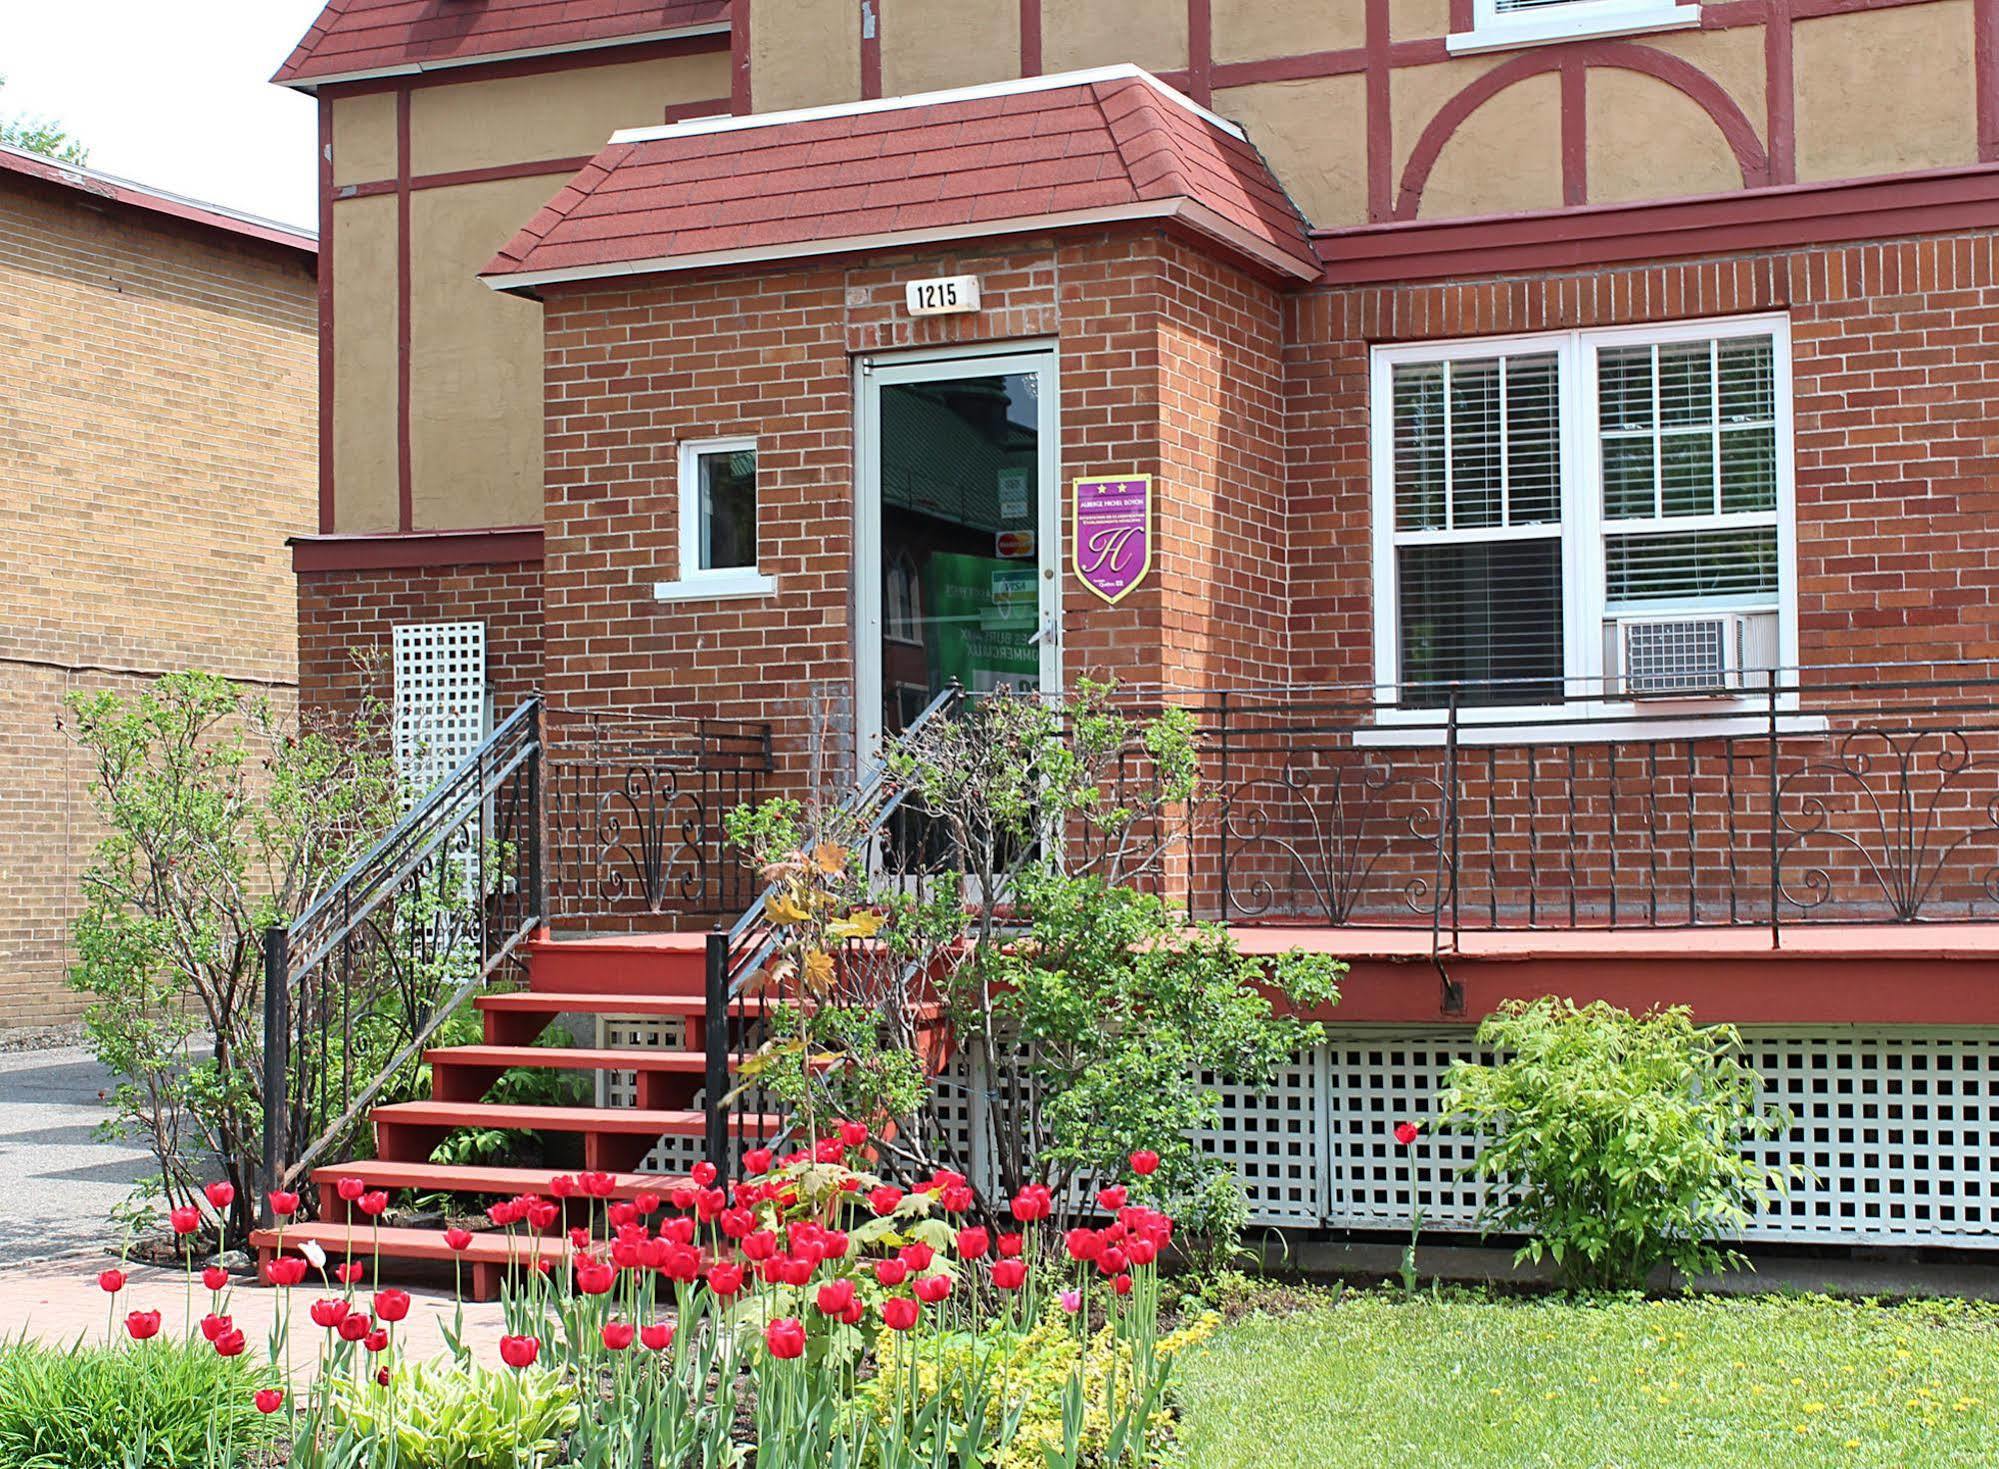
(1627, 478)
(1748, 380)
(1686, 384)
(1419, 447)
(1533, 441)
(1624, 388)
(1475, 463)
(728, 510)
(1722, 563)
(1485, 617)
(1749, 469)
(1686, 472)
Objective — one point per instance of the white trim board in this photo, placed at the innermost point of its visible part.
(1016, 87)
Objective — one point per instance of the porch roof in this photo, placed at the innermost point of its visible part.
(355, 39)
(1084, 148)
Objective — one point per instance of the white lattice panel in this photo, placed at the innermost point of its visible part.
(1275, 1143)
(440, 700)
(1900, 1131)
(621, 1088)
(1373, 1081)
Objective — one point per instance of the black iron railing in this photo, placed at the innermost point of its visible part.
(555, 819)
(1808, 800)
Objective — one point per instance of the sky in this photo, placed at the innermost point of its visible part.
(172, 93)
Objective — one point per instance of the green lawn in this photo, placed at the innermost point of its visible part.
(1375, 1382)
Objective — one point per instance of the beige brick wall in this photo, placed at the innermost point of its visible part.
(156, 449)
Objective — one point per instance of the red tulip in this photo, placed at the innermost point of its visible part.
(1084, 1244)
(899, 1313)
(373, 1203)
(760, 1245)
(382, 1378)
(457, 1239)
(594, 1277)
(854, 1134)
(835, 1296)
(143, 1325)
(329, 1312)
(111, 1282)
(230, 1343)
(354, 1325)
(221, 1194)
(657, 1335)
(185, 1220)
(1009, 1274)
(213, 1325)
(377, 1340)
(1145, 1162)
(932, 1288)
(598, 1185)
(757, 1161)
(1010, 1246)
(973, 1243)
(563, 1185)
(703, 1173)
(786, 1338)
(352, 1273)
(1121, 1284)
(1406, 1133)
(284, 1204)
(955, 1199)
(828, 1150)
(617, 1335)
(646, 1203)
(891, 1272)
(350, 1189)
(725, 1280)
(1112, 1199)
(392, 1304)
(286, 1271)
(884, 1200)
(269, 1400)
(519, 1351)
(214, 1278)
(1035, 1202)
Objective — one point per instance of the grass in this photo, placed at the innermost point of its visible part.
(1373, 1379)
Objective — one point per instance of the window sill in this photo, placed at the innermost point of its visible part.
(1551, 30)
(1608, 726)
(715, 588)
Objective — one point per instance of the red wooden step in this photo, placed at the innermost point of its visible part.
(569, 1058)
(486, 1258)
(582, 1002)
(441, 1178)
(627, 964)
(614, 1138)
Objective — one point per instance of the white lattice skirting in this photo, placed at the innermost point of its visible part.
(1898, 1129)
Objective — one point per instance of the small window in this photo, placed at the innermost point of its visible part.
(1503, 23)
(1534, 495)
(718, 522)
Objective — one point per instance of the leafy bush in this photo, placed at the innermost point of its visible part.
(1614, 1142)
(448, 1416)
(165, 1405)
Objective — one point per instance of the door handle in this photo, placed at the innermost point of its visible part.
(1045, 633)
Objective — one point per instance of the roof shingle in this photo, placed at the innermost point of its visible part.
(378, 36)
(1007, 161)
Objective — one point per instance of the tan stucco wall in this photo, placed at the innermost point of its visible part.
(1886, 91)
(1078, 33)
(1314, 135)
(1249, 30)
(475, 362)
(804, 53)
(1418, 20)
(931, 44)
(364, 138)
(480, 124)
(1651, 141)
(364, 364)
(1735, 58)
(1506, 157)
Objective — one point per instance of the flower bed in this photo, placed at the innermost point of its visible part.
(814, 1312)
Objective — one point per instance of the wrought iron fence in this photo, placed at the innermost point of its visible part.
(1818, 798)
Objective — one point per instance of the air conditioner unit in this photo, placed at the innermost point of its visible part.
(1680, 657)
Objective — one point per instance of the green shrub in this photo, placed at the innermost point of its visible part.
(444, 1416)
(159, 1405)
(1614, 1142)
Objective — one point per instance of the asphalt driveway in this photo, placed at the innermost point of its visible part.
(58, 1183)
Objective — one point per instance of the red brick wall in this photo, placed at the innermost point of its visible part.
(1169, 366)
(1893, 350)
(346, 620)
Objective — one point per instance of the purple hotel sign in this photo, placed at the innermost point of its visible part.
(1113, 534)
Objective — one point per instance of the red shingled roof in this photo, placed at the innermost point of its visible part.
(107, 188)
(1100, 145)
(386, 37)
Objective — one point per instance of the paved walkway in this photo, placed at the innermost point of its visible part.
(58, 1183)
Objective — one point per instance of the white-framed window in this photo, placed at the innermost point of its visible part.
(1549, 508)
(1502, 23)
(718, 522)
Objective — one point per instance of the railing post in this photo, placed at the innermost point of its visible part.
(537, 895)
(1451, 803)
(1776, 886)
(716, 1030)
(277, 1040)
(1221, 812)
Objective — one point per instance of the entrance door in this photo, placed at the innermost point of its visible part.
(958, 566)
